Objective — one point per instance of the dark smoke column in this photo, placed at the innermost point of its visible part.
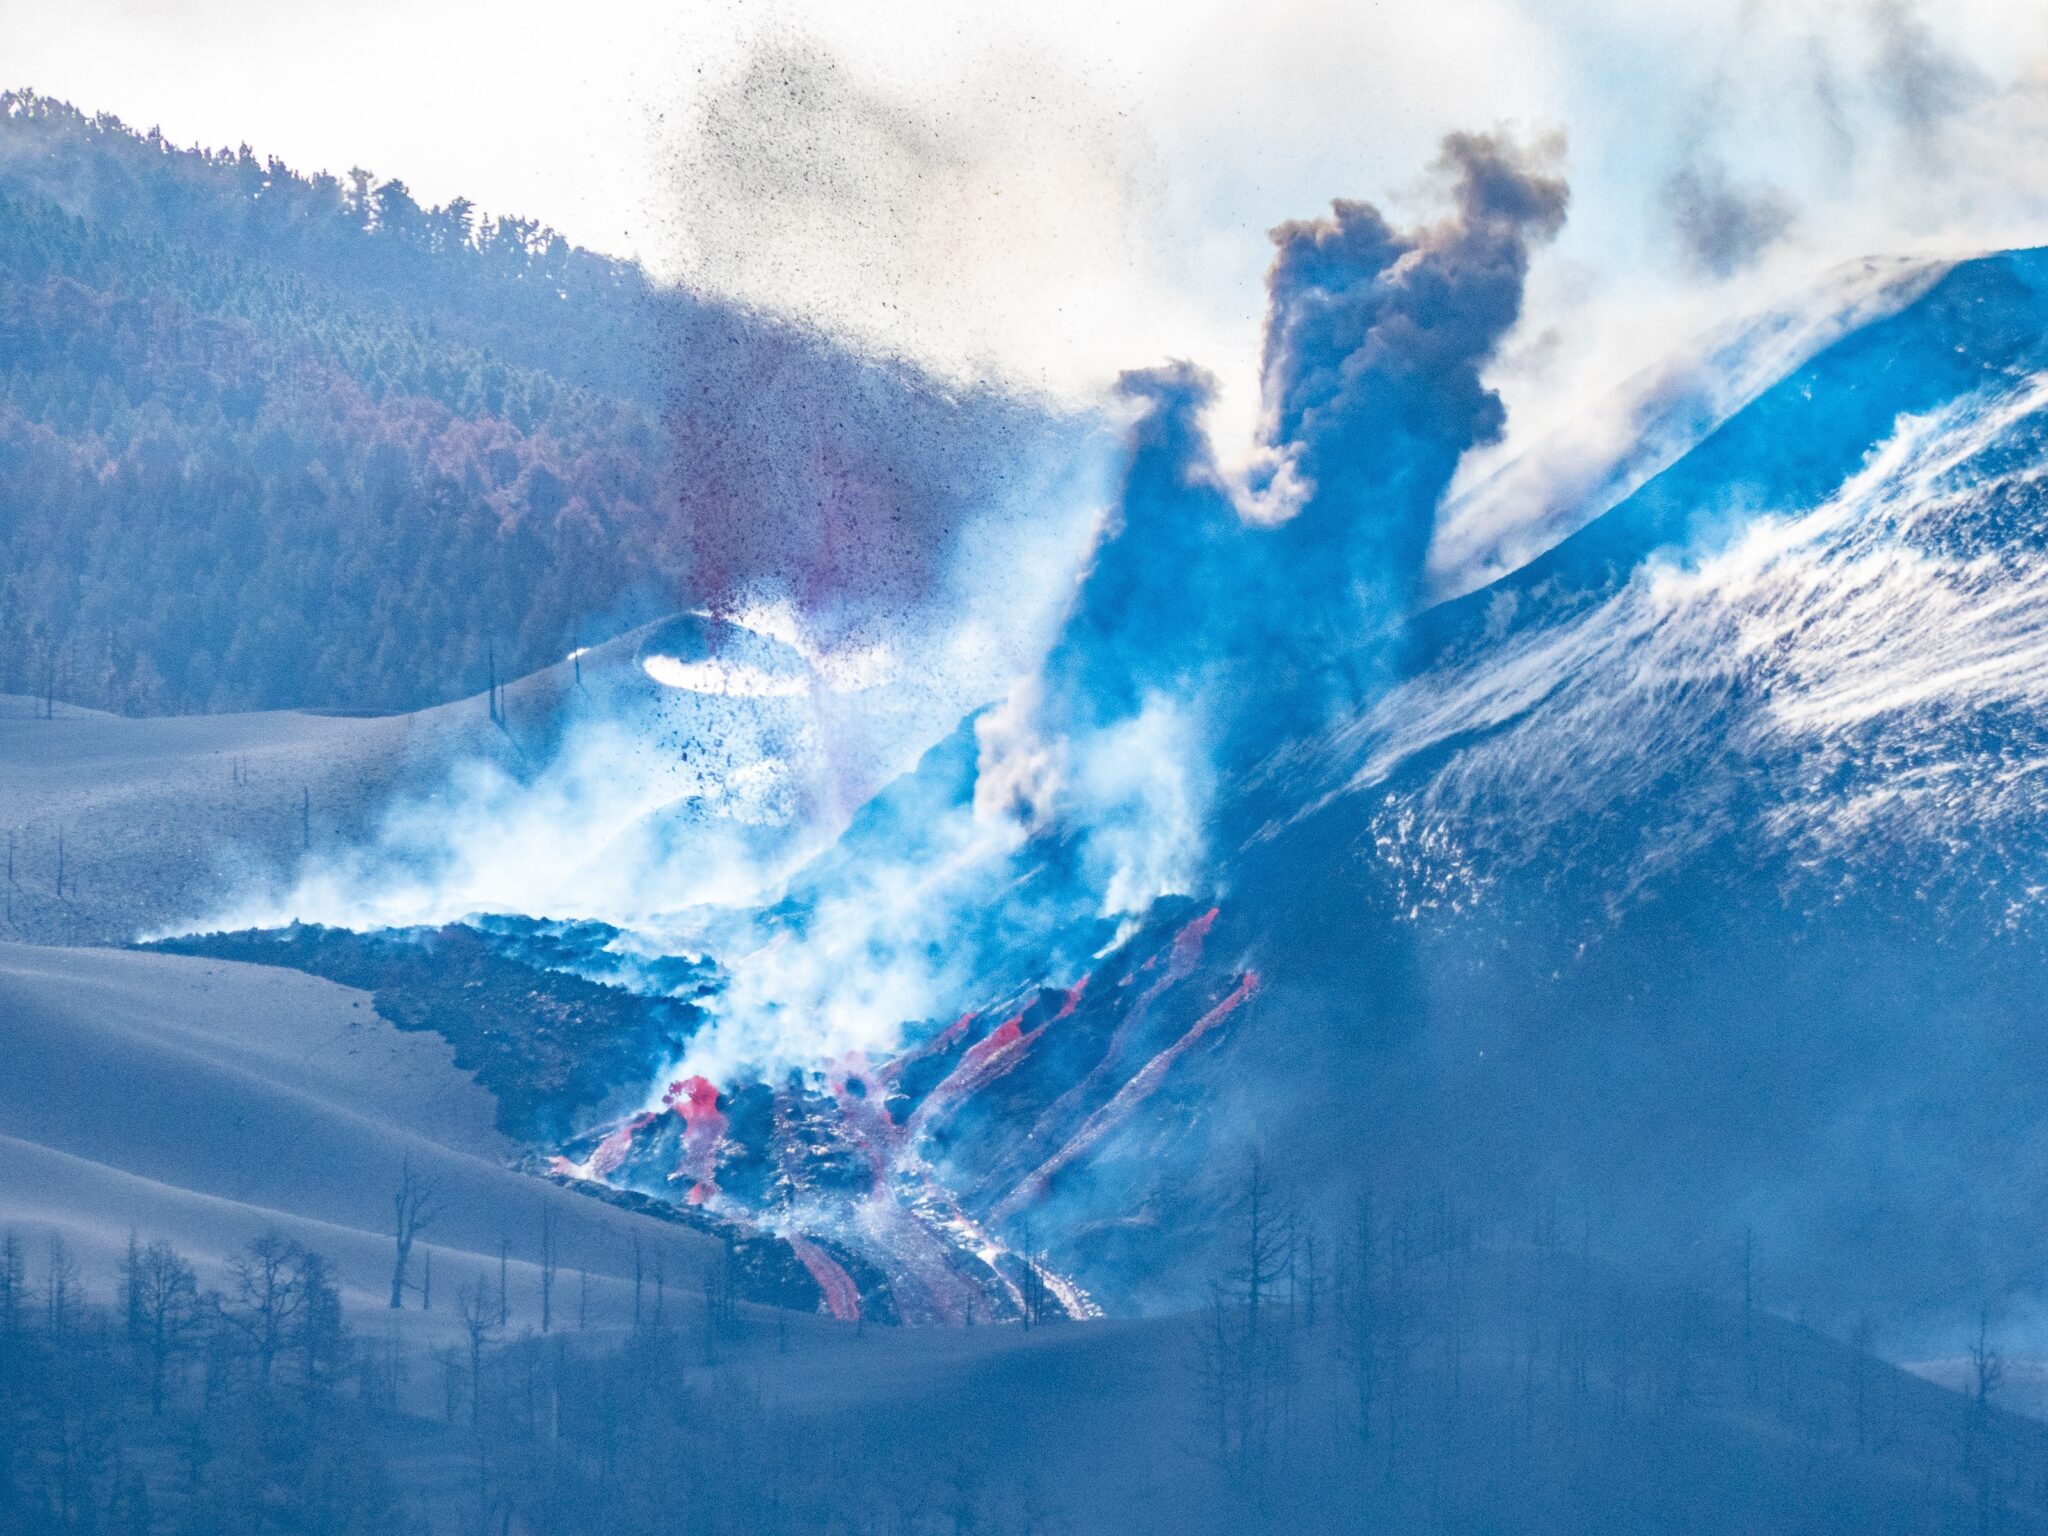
(1376, 340)
(1375, 343)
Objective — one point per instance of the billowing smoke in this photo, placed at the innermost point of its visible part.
(1723, 227)
(1240, 601)
(1208, 610)
(1376, 343)
(1375, 354)
(1918, 81)
(1153, 611)
(1214, 612)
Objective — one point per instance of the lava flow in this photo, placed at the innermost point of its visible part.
(835, 1285)
(1127, 1098)
(696, 1100)
(609, 1153)
(904, 1187)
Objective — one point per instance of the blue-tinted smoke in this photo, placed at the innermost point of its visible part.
(1212, 612)
(1213, 607)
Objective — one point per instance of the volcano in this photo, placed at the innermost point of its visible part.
(1690, 874)
(1691, 871)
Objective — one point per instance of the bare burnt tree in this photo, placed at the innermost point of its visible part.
(13, 1283)
(1031, 1288)
(548, 1236)
(1310, 1276)
(1987, 1365)
(165, 1302)
(414, 1206)
(451, 1382)
(1217, 1370)
(1246, 1354)
(1359, 1314)
(729, 1285)
(1987, 1375)
(479, 1313)
(714, 1309)
(60, 1287)
(1264, 1246)
(1624, 1337)
(639, 1273)
(319, 1338)
(130, 1272)
(1752, 1359)
(1401, 1329)
(267, 1298)
(1863, 1339)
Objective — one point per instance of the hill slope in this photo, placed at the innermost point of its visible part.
(204, 1102)
(269, 439)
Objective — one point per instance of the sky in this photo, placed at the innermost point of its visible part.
(1053, 193)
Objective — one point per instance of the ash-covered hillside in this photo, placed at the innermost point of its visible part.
(1684, 876)
(1688, 875)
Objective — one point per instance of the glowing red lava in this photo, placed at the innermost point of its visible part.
(842, 1296)
(608, 1153)
(696, 1101)
(1109, 1116)
(1073, 999)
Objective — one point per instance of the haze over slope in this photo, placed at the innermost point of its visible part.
(284, 440)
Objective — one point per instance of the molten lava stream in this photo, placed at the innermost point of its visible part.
(696, 1101)
(609, 1153)
(1127, 1098)
(1182, 956)
(842, 1296)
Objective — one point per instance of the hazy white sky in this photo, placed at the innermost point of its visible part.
(1060, 190)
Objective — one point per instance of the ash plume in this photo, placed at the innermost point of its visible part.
(838, 485)
(1375, 350)
(1919, 82)
(1376, 344)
